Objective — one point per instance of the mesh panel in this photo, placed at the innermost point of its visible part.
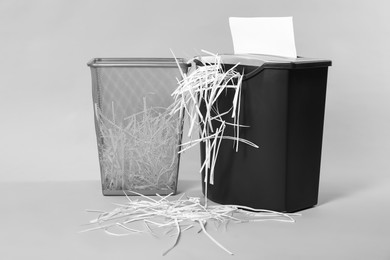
(137, 138)
(127, 89)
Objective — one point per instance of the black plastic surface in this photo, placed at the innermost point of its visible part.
(284, 109)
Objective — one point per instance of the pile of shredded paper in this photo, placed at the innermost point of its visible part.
(163, 215)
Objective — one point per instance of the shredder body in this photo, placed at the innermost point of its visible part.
(282, 103)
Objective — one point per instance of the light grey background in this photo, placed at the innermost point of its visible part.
(45, 100)
(48, 156)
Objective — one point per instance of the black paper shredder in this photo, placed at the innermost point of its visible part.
(282, 103)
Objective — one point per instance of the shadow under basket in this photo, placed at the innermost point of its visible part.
(282, 103)
(138, 139)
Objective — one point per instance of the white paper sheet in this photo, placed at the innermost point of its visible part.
(263, 35)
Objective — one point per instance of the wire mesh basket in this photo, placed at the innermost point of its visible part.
(138, 139)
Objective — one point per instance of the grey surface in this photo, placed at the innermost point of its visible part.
(42, 221)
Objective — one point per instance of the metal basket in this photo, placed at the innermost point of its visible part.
(138, 139)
